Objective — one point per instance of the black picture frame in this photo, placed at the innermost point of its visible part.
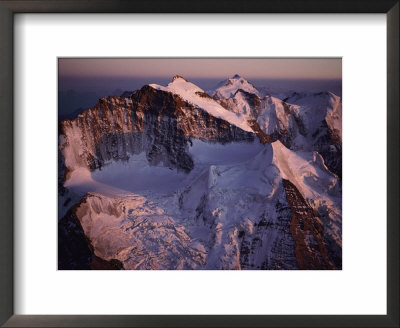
(10, 7)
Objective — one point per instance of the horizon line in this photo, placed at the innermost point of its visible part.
(197, 77)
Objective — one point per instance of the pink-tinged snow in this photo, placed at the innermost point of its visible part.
(230, 86)
(138, 233)
(191, 93)
(74, 149)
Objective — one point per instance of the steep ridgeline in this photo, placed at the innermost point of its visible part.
(153, 121)
(302, 121)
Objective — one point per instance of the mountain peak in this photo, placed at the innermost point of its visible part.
(196, 96)
(178, 77)
(228, 88)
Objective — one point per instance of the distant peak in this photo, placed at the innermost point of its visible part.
(178, 77)
(236, 76)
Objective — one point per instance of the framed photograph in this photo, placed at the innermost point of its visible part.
(208, 164)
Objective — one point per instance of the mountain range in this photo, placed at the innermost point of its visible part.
(174, 177)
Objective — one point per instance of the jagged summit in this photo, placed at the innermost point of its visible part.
(236, 76)
(178, 77)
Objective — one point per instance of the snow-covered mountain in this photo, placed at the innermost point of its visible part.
(228, 88)
(302, 121)
(157, 122)
(199, 98)
(172, 177)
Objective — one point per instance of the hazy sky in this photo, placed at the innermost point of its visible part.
(255, 68)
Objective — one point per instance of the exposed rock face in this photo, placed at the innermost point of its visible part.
(152, 121)
(264, 138)
(307, 231)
